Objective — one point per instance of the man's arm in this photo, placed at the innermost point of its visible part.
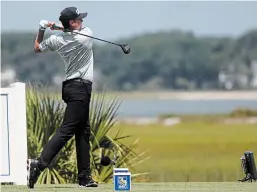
(43, 24)
(38, 40)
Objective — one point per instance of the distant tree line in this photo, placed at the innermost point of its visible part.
(174, 60)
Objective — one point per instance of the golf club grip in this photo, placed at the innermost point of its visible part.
(56, 27)
(94, 37)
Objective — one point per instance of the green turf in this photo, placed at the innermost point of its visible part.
(156, 187)
(193, 151)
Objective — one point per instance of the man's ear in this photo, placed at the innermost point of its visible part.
(71, 22)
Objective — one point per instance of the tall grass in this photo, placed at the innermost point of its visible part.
(194, 151)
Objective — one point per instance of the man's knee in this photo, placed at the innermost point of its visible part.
(65, 133)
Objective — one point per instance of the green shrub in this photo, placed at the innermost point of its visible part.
(242, 112)
(44, 115)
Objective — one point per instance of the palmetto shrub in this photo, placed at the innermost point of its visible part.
(44, 115)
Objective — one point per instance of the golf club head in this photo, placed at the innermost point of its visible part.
(125, 48)
(105, 161)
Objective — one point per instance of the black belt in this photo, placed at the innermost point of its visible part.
(80, 80)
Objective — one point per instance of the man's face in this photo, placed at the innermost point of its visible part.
(76, 24)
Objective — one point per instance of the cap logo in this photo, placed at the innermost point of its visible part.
(77, 11)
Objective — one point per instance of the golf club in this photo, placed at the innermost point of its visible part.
(125, 47)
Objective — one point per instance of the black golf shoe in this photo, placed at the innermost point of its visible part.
(33, 172)
(87, 182)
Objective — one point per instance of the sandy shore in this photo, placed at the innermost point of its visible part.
(196, 95)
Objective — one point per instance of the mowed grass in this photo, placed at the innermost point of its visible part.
(193, 151)
(144, 187)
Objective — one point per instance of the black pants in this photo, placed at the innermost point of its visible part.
(76, 94)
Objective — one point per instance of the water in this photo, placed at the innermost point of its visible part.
(154, 107)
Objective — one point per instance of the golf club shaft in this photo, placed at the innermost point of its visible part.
(87, 36)
(95, 38)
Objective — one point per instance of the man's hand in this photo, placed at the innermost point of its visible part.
(55, 26)
(43, 24)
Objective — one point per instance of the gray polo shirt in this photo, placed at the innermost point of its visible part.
(75, 50)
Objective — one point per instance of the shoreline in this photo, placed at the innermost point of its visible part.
(187, 95)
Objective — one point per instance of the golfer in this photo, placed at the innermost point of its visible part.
(77, 54)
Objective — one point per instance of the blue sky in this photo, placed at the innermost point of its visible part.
(117, 19)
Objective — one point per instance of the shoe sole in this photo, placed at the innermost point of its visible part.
(91, 185)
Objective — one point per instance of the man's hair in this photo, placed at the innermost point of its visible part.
(65, 23)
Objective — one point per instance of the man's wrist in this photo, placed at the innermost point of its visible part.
(42, 29)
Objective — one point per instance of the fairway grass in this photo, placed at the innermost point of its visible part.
(193, 151)
(144, 187)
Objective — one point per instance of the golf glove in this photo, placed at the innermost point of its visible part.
(43, 24)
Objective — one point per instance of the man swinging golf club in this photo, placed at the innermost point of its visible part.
(77, 54)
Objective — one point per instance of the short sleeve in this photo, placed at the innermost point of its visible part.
(49, 44)
(86, 41)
